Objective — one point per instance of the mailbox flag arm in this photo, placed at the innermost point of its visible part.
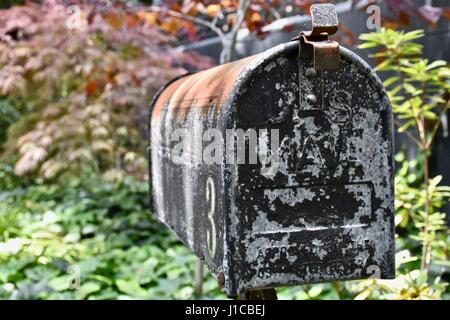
(314, 44)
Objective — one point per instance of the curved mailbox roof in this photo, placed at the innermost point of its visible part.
(201, 88)
(215, 83)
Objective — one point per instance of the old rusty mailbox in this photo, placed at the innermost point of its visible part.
(277, 169)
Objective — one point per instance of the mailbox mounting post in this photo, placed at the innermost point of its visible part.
(261, 294)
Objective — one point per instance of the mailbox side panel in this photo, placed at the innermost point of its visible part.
(325, 213)
(186, 196)
(187, 161)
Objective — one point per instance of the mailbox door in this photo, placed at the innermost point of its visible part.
(326, 214)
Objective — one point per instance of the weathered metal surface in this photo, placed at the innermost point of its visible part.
(196, 90)
(324, 19)
(323, 52)
(326, 212)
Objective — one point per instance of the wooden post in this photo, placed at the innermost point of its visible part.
(198, 278)
(260, 294)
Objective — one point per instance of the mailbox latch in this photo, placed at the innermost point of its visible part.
(314, 44)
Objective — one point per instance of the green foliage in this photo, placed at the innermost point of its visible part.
(396, 46)
(410, 216)
(419, 93)
(407, 286)
(97, 229)
(8, 180)
(10, 3)
(418, 88)
(8, 115)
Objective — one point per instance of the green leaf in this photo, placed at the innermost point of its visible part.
(435, 181)
(411, 89)
(436, 64)
(86, 289)
(130, 287)
(61, 283)
(412, 35)
(363, 295)
(367, 45)
(390, 81)
(430, 115)
(386, 65)
(315, 291)
(405, 126)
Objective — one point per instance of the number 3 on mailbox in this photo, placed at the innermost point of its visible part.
(211, 198)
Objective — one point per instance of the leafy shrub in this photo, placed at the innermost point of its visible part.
(82, 79)
(419, 93)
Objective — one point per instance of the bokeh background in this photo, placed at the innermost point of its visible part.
(76, 82)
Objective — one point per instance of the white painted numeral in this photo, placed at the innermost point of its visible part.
(211, 236)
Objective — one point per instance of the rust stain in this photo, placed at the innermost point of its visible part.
(197, 90)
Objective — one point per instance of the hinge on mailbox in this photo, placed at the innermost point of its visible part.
(314, 44)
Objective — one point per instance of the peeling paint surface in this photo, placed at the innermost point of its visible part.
(327, 213)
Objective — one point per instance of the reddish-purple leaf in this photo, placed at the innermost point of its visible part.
(430, 13)
(397, 6)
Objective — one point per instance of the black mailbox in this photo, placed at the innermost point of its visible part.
(277, 169)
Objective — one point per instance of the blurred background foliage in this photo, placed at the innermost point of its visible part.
(74, 96)
(82, 94)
